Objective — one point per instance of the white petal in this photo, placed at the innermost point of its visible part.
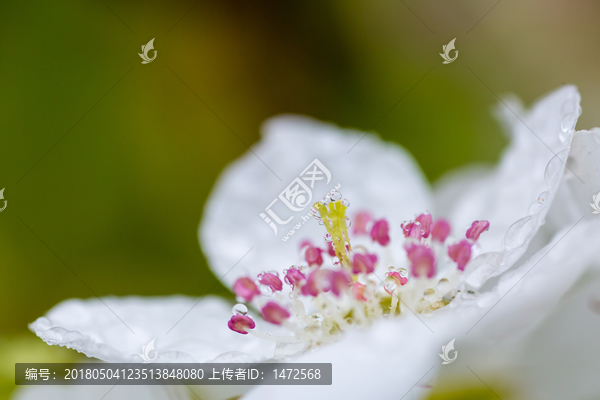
(374, 175)
(529, 293)
(540, 323)
(385, 361)
(90, 327)
(583, 179)
(517, 195)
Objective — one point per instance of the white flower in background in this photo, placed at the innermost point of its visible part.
(504, 260)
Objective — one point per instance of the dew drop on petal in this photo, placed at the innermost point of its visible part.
(54, 335)
(403, 273)
(335, 261)
(346, 203)
(72, 338)
(266, 290)
(317, 317)
(568, 122)
(555, 166)
(429, 294)
(327, 237)
(335, 195)
(519, 232)
(239, 309)
(543, 197)
(391, 269)
(444, 285)
(348, 222)
(390, 284)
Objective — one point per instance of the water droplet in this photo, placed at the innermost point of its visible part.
(348, 222)
(568, 122)
(335, 261)
(239, 309)
(233, 357)
(54, 335)
(519, 233)
(73, 338)
(346, 203)
(444, 285)
(543, 197)
(391, 269)
(429, 294)
(390, 284)
(555, 167)
(317, 317)
(327, 237)
(321, 222)
(335, 195)
(403, 273)
(266, 290)
(468, 294)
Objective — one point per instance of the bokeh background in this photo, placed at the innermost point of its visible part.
(106, 162)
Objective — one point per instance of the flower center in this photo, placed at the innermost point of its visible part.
(324, 302)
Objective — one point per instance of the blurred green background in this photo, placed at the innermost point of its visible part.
(107, 162)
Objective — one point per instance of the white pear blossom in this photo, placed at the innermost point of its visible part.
(502, 260)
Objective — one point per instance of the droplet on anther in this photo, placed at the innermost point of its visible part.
(239, 309)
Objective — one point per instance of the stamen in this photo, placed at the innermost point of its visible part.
(425, 221)
(274, 313)
(380, 232)
(240, 324)
(318, 281)
(460, 253)
(270, 280)
(312, 255)
(330, 249)
(361, 220)
(336, 299)
(333, 216)
(358, 290)
(245, 288)
(293, 276)
(339, 282)
(364, 263)
(477, 227)
(412, 229)
(422, 260)
(440, 230)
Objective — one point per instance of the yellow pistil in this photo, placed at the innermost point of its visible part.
(334, 219)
